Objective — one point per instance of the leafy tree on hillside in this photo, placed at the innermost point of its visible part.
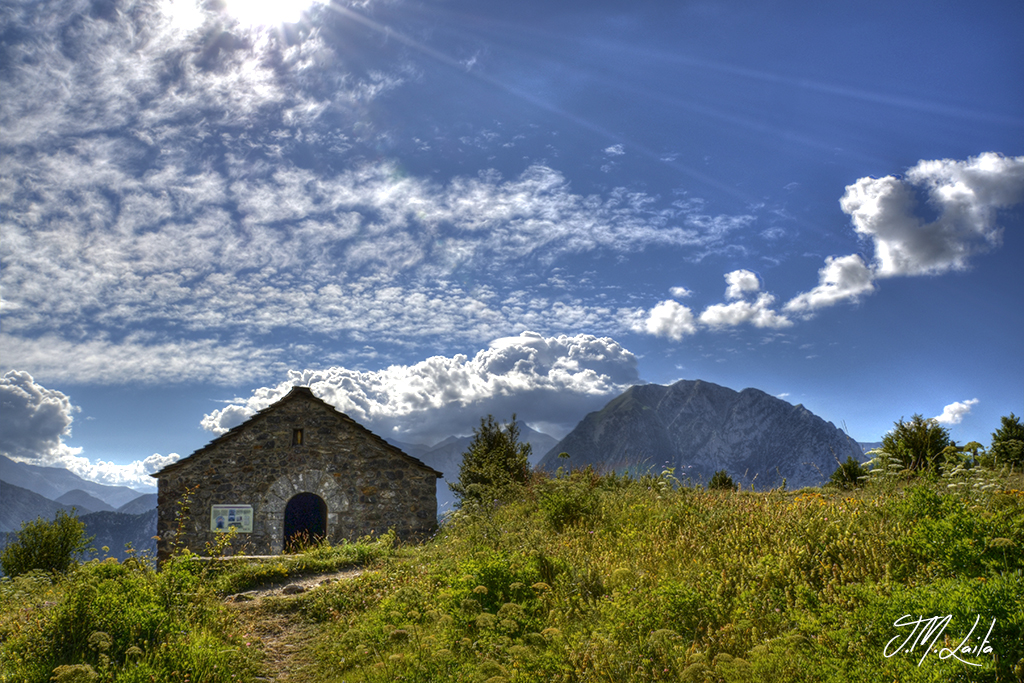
(918, 444)
(50, 546)
(496, 465)
(1008, 441)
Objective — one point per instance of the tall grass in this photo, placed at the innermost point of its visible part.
(605, 578)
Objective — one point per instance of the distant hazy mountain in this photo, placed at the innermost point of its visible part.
(111, 529)
(84, 502)
(140, 505)
(19, 505)
(446, 457)
(699, 428)
(413, 449)
(115, 529)
(53, 482)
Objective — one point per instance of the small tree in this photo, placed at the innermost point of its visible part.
(50, 546)
(918, 443)
(1008, 441)
(496, 465)
(721, 480)
(848, 474)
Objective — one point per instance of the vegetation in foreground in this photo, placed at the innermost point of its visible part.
(129, 623)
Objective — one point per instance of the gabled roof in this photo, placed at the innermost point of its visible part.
(295, 393)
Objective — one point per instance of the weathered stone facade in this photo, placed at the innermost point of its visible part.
(297, 460)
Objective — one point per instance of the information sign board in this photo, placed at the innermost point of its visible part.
(223, 518)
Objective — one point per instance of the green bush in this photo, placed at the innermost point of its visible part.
(721, 480)
(50, 546)
(123, 623)
(566, 501)
(495, 466)
(849, 475)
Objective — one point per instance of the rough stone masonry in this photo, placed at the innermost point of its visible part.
(297, 469)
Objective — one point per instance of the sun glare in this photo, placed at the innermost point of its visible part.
(269, 12)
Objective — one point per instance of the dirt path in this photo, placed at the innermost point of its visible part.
(281, 634)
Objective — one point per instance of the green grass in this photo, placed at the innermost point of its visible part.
(616, 579)
(233, 576)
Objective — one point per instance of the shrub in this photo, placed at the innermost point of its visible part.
(569, 500)
(848, 475)
(50, 546)
(918, 443)
(721, 480)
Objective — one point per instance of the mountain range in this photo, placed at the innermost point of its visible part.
(113, 515)
(699, 428)
(54, 482)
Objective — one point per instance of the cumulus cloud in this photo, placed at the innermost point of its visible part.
(36, 421)
(844, 278)
(954, 413)
(757, 313)
(966, 195)
(740, 282)
(667, 319)
(551, 380)
(680, 292)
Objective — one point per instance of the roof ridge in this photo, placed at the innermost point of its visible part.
(295, 392)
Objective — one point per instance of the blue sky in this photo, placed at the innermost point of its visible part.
(433, 211)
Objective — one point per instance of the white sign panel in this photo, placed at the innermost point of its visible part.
(223, 518)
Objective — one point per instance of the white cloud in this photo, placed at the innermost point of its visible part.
(615, 150)
(741, 282)
(842, 279)
(35, 422)
(116, 220)
(554, 380)
(140, 358)
(954, 413)
(966, 195)
(680, 292)
(758, 313)
(35, 419)
(667, 319)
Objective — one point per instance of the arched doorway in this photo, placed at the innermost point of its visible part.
(305, 521)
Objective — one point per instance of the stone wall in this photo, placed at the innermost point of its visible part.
(368, 485)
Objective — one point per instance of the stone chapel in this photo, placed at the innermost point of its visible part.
(297, 470)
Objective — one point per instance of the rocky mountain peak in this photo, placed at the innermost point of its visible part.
(700, 427)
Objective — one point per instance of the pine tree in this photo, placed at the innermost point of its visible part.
(1008, 441)
(496, 465)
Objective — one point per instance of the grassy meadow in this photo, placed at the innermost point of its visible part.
(585, 577)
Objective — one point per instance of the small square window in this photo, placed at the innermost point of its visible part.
(296, 437)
